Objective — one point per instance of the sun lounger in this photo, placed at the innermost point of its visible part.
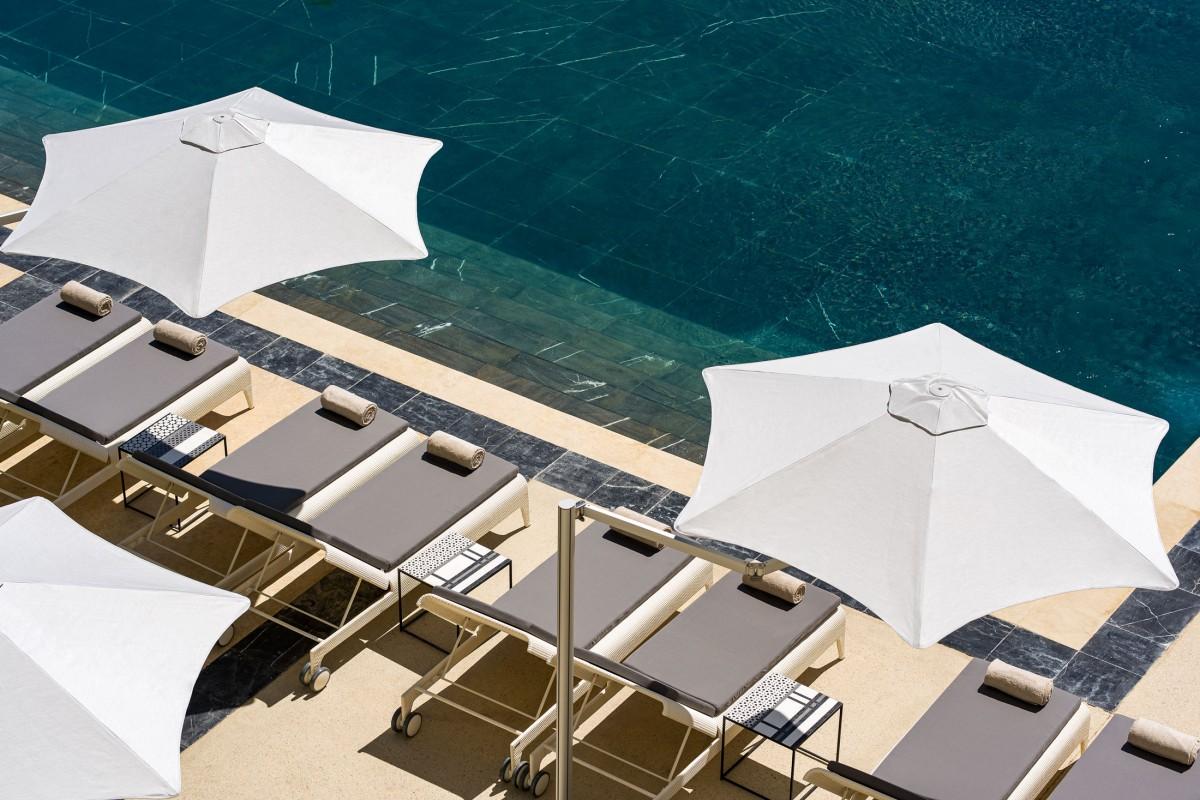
(50, 342)
(624, 590)
(102, 406)
(1113, 769)
(972, 742)
(709, 657)
(287, 473)
(365, 521)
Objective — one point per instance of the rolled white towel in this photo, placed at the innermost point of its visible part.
(180, 337)
(787, 588)
(455, 450)
(358, 410)
(1018, 683)
(1164, 741)
(74, 293)
(650, 522)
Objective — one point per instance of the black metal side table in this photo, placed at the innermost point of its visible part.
(780, 710)
(453, 562)
(172, 439)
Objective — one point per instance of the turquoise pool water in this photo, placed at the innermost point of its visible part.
(634, 189)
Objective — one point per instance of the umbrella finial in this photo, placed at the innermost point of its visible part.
(938, 404)
(225, 130)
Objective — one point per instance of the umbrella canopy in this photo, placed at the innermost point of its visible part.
(99, 651)
(930, 478)
(213, 201)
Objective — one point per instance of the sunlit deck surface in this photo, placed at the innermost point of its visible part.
(254, 731)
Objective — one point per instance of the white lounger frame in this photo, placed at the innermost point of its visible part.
(832, 632)
(251, 578)
(193, 404)
(1073, 736)
(475, 629)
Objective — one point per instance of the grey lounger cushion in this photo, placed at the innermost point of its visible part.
(406, 506)
(873, 782)
(1112, 769)
(720, 645)
(128, 386)
(614, 574)
(299, 456)
(49, 336)
(974, 741)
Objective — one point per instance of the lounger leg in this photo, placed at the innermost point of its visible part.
(86, 486)
(248, 393)
(841, 646)
(351, 628)
(525, 510)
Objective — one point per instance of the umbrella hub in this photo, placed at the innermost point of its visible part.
(225, 130)
(938, 404)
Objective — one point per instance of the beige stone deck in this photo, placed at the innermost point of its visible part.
(287, 743)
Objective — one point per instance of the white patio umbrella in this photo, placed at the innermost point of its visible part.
(99, 651)
(210, 202)
(932, 479)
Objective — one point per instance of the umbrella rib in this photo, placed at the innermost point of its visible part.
(109, 732)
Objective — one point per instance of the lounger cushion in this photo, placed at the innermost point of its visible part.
(974, 741)
(132, 384)
(874, 783)
(614, 574)
(731, 636)
(407, 505)
(638, 678)
(49, 336)
(490, 611)
(300, 455)
(1113, 769)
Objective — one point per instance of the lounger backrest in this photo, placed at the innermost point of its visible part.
(50, 335)
(132, 384)
(300, 455)
(1113, 769)
(974, 741)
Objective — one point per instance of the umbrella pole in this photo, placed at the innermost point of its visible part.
(568, 512)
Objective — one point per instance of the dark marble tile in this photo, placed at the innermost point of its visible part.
(427, 413)
(629, 491)
(55, 270)
(1191, 540)
(577, 474)
(1159, 616)
(480, 430)
(152, 305)
(247, 339)
(327, 370)
(1028, 650)
(1187, 567)
(206, 325)
(7, 312)
(1121, 648)
(25, 291)
(980, 637)
(1098, 682)
(668, 507)
(384, 392)
(115, 285)
(21, 262)
(529, 453)
(285, 357)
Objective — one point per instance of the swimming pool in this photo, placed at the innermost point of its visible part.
(634, 189)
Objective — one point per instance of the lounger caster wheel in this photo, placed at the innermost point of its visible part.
(226, 637)
(541, 782)
(410, 726)
(320, 679)
(306, 673)
(521, 776)
(506, 770)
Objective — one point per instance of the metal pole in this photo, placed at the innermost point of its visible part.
(568, 512)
